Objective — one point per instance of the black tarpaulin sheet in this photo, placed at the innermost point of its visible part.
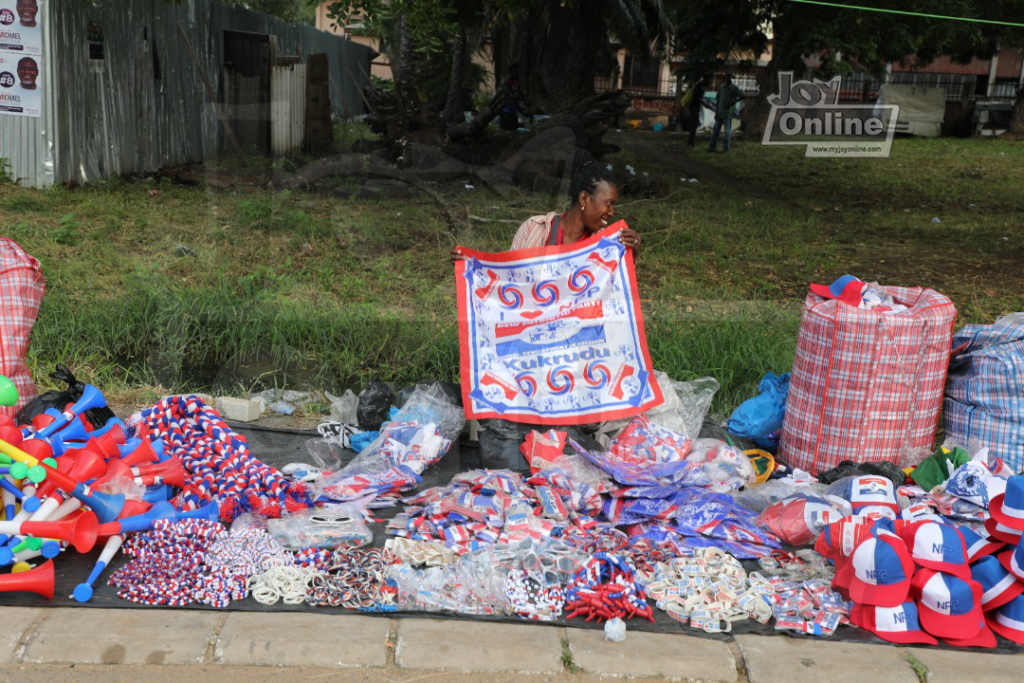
(279, 447)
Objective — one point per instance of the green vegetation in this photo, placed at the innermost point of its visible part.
(568, 663)
(186, 288)
(919, 667)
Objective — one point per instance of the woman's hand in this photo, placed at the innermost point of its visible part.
(457, 255)
(630, 238)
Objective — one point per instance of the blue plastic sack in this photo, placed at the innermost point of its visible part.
(760, 418)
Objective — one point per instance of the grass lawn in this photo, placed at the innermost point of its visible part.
(153, 286)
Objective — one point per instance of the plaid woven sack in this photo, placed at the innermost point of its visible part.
(866, 386)
(21, 292)
(984, 404)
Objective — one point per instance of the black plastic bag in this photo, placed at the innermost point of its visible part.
(97, 417)
(848, 468)
(375, 403)
(500, 441)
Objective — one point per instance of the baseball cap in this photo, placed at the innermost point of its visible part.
(1002, 533)
(985, 638)
(1008, 620)
(1013, 560)
(978, 545)
(949, 606)
(899, 624)
(846, 289)
(878, 571)
(999, 586)
(837, 540)
(1008, 508)
(867, 492)
(937, 546)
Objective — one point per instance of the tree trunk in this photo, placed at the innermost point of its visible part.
(783, 59)
(557, 49)
(453, 110)
(403, 68)
(1017, 114)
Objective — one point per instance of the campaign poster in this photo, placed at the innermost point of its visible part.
(21, 87)
(20, 26)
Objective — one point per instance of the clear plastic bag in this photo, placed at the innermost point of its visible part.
(249, 520)
(432, 404)
(343, 408)
(337, 526)
(686, 404)
(798, 519)
(727, 467)
(757, 498)
(326, 453)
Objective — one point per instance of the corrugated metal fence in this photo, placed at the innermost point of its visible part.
(144, 106)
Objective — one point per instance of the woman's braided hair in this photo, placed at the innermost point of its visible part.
(587, 174)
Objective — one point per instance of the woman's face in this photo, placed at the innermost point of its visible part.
(599, 208)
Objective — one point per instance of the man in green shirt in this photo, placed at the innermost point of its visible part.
(728, 95)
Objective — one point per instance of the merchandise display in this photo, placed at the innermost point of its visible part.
(662, 521)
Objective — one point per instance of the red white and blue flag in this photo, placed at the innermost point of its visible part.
(554, 335)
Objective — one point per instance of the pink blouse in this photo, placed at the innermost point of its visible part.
(534, 232)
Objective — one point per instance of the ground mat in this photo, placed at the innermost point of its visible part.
(279, 447)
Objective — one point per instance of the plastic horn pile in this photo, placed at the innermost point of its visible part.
(58, 479)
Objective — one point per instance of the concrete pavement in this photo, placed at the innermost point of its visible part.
(39, 639)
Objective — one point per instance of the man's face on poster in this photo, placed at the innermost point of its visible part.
(28, 72)
(27, 10)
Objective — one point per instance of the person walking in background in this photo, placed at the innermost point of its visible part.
(728, 95)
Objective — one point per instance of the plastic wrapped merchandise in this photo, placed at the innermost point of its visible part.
(799, 519)
(757, 498)
(727, 467)
(374, 403)
(338, 526)
(683, 411)
(431, 404)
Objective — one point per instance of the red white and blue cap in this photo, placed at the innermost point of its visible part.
(985, 638)
(999, 586)
(1008, 620)
(949, 606)
(847, 289)
(978, 545)
(937, 546)
(920, 512)
(899, 624)
(868, 492)
(1013, 560)
(878, 571)
(1002, 533)
(1008, 508)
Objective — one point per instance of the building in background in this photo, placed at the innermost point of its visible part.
(131, 86)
